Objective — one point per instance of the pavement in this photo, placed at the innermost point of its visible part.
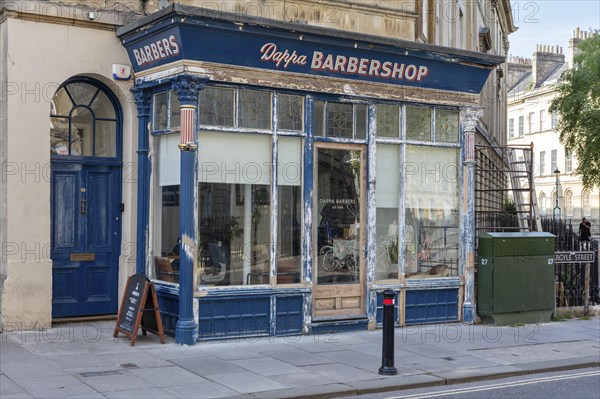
(83, 360)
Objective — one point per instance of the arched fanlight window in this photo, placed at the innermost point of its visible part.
(84, 121)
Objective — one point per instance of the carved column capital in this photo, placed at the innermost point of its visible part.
(187, 88)
(142, 100)
(469, 118)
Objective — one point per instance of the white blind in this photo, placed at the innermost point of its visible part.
(169, 163)
(388, 176)
(289, 164)
(234, 158)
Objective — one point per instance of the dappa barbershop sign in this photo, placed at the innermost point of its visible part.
(322, 56)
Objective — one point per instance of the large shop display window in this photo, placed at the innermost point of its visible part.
(418, 232)
(235, 205)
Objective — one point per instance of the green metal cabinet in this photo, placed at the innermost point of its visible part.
(515, 277)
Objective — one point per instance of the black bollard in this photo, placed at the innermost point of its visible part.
(387, 357)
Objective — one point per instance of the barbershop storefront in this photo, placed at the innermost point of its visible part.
(289, 174)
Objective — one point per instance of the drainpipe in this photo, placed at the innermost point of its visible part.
(469, 118)
(187, 88)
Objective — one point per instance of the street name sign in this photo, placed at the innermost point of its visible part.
(574, 257)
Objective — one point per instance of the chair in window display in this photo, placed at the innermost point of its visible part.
(164, 269)
(214, 263)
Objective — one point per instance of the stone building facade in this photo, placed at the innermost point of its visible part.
(89, 163)
(532, 87)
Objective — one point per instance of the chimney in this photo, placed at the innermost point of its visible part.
(576, 38)
(545, 61)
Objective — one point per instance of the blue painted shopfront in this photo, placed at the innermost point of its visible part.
(223, 68)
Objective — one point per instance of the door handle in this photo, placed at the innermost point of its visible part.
(82, 201)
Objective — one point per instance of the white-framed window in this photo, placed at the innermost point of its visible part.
(521, 126)
(531, 121)
(569, 203)
(553, 160)
(554, 120)
(586, 203)
(511, 128)
(543, 204)
(568, 162)
(542, 119)
(542, 163)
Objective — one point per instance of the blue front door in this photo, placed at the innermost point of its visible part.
(85, 190)
(86, 226)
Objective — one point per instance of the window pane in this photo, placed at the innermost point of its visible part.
(102, 107)
(388, 120)
(254, 109)
(106, 138)
(82, 126)
(82, 93)
(418, 124)
(59, 136)
(446, 126)
(166, 236)
(61, 103)
(387, 199)
(431, 212)
(169, 160)
(234, 227)
(290, 112)
(234, 158)
(339, 120)
(289, 257)
(175, 111)
(289, 173)
(216, 106)
(160, 112)
(361, 121)
(318, 119)
(289, 163)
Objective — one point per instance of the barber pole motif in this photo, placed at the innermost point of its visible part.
(187, 128)
(469, 146)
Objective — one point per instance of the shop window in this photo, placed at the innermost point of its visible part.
(234, 208)
(83, 121)
(166, 209)
(340, 120)
(432, 233)
(290, 112)
(254, 109)
(289, 237)
(166, 111)
(387, 197)
(216, 106)
(388, 120)
(418, 123)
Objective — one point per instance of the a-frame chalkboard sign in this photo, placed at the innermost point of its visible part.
(139, 308)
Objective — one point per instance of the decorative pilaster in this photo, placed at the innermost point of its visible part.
(469, 118)
(142, 101)
(187, 88)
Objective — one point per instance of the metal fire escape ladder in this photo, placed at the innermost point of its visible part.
(520, 168)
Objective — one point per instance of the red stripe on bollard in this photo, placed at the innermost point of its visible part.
(388, 301)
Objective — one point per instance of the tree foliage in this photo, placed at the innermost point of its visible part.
(578, 108)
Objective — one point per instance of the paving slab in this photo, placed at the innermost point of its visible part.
(115, 382)
(267, 366)
(207, 366)
(304, 379)
(341, 372)
(64, 386)
(247, 382)
(206, 390)
(9, 387)
(298, 357)
(396, 382)
(172, 376)
(313, 392)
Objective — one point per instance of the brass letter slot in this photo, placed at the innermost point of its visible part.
(83, 257)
